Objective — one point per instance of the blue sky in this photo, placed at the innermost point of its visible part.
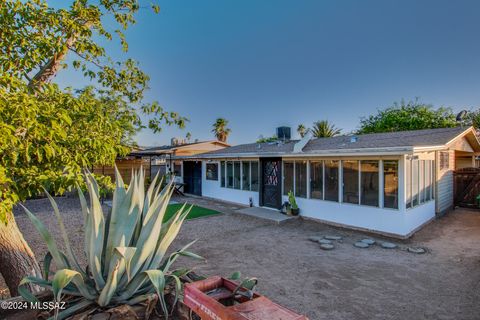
(262, 64)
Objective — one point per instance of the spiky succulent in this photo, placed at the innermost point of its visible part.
(125, 250)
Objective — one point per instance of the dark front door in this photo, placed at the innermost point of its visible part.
(192, 177)
(271, 183)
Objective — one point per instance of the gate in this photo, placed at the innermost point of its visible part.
(466, 187)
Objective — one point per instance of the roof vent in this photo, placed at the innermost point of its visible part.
(353, 139)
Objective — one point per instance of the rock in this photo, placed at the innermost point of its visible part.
(327, 246)
(360, 244)
(368, 241)
(324, 241)
(333, 237)
(388, 245)
(315, 238)
(417, 250)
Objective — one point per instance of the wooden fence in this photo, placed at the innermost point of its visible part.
(466, 187)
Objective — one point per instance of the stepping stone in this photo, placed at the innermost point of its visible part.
(417, 250)
(315, 238)
(361, 244)
(333, 237)
(388, 245)
(327, 246)
(368, 241)
(325, 241)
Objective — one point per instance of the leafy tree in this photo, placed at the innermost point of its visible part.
(220, 129)
(263, 139)
(324, 129)
(48, 135)
(402, 116)
(472, 118)
(302, 130)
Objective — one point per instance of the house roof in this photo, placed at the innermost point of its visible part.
(390, 142)
(167, 149)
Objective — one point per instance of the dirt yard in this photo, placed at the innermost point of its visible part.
(345, 283)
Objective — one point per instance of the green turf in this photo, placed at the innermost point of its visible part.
(195, 213)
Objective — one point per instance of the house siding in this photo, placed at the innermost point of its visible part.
(444, 189)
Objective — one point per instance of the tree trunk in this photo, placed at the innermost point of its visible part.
(16, 258)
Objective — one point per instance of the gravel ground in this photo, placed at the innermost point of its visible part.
(345, 283)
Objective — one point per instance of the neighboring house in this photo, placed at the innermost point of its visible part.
(159, 159)
(392, 183)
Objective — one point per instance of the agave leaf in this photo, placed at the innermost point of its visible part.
(235, 276)
(150, 190)
(86, 220)
(178, 287)
(47, 261)
(167, 239)
(61, 279)
(139, 298)
(119, 196)
(110, 287)
(150, 232)
(127, 253)
(157, 277)
(174, 256)
(47, 237)
(124, 217)
(72, 309)
(63, 232)
(95, 243)
(24, 292)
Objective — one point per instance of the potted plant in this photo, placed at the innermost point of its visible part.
(293, 204)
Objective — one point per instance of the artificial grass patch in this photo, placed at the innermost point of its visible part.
(196, 211)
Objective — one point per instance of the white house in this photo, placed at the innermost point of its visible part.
(392, 183)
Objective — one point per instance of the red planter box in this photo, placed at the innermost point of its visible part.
(209, 307)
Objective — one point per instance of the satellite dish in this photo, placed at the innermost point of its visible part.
(461, 115)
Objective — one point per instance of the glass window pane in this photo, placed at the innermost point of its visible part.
(350, 181)
(287, 177)
(390, 178)
(254, 176)
(246, 175)
(301, 179)
(229, 174)
(222, 174)
(212, 171)
(421, 181)
(408, 181)
(331, 180)
(369, 182)
(236, 175)
(316, 180)
(415, 183)
(177, 169)
(428, 181)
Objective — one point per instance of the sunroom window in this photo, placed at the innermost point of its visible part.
(369, 182)
(331, 180)
(316, 180)
(350, 181)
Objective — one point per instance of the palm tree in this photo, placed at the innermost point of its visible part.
(188, 136)
(324, 129)
(220, 129)
(302, 130)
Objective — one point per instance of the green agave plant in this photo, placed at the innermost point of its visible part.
(125, 250)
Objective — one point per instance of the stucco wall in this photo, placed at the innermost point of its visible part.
(397, 222)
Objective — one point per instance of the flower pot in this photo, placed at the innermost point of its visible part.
(295, 211)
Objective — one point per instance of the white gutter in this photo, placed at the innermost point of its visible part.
(325, 153)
